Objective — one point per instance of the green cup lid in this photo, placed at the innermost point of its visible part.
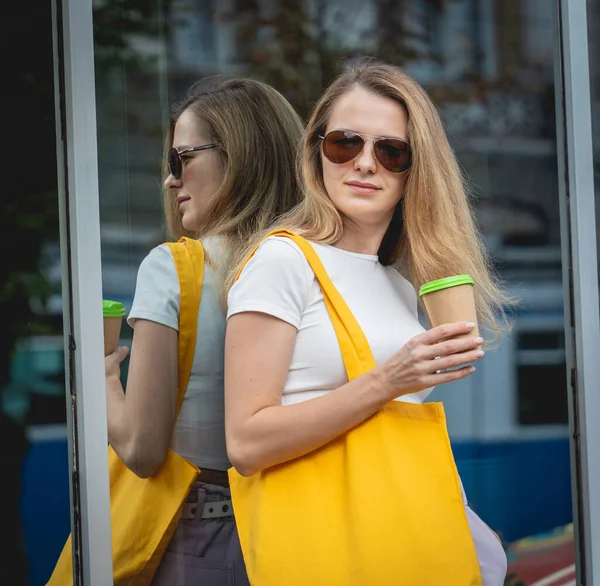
(445, 283)
(112, 308)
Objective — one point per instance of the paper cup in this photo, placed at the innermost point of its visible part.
(450, 300)
(113, 313)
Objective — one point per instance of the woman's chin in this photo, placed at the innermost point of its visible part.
(189, 223)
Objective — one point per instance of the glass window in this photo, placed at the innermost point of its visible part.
(488, 65)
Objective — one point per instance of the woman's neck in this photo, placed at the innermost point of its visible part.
(361, 239)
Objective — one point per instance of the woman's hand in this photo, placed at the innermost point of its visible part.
(112, 362)
(423, 362)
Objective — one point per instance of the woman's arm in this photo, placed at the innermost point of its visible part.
(258, 351)
(141, 421)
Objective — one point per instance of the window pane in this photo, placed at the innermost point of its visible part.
(489, 67)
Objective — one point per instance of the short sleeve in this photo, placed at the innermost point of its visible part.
(275, 281)
(157, 290)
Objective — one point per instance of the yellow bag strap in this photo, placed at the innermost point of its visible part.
(189, 260)
(354, 346)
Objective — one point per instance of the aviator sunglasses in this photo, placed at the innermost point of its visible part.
(342, 146)
(175, 162)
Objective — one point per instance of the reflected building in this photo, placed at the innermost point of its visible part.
(489, 65)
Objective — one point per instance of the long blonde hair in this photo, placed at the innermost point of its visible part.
(433, 233)
(258, 133)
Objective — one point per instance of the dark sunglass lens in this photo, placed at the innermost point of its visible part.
(394, 155)
(340, 147)
(174, 163)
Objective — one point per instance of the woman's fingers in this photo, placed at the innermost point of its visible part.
(456, 360)
(448, 347)
(423, 361)
(113, 361)
(448, 376)
(119, 354)
(444, 332)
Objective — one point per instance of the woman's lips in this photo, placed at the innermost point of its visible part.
(363, 188)
(182, 200)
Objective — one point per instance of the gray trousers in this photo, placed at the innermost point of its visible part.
(204, 551)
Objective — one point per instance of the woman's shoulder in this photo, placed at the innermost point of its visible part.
(275, 280)
(159, 259)
(277, 246)
(161, 256)
(278, 253)
(156, 295)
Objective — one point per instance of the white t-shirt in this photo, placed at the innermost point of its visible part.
(279, 281)
(199, 433)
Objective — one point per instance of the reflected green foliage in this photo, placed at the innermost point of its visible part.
(117, 23)
(292, 48)
(28, 208)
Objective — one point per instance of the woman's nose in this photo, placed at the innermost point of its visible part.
(366, 161)
(171, 182)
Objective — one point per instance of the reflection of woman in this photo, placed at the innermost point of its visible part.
(230, 156)
(382, 188)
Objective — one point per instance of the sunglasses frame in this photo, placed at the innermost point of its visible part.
(178, 154)
(366, 138)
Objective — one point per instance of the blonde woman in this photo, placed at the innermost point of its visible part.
(385, 210)
(229, 171)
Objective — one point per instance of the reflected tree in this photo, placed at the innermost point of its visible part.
(299, 46)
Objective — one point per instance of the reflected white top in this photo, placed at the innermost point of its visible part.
(199, 434)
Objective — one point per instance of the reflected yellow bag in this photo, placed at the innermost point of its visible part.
(379, 506)
(144, 512)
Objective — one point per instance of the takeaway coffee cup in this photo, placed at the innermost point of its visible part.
(113, 313)
(450, 300)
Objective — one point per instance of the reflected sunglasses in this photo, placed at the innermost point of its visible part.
(342, 146)
(175, 162)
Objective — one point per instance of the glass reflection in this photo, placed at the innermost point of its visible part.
(489, 66)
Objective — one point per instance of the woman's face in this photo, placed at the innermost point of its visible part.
(362, 189)
(202, 174)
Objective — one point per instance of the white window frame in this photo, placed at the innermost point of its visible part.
(580, 278)
(73, 41)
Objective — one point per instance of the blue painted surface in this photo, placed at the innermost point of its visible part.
(518, 488)
(45, 509)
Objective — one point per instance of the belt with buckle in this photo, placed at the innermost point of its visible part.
(211, 510)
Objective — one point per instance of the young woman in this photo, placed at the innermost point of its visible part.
(385, 210)
(229, 171)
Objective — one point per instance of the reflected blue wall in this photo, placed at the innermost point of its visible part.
(518, 488)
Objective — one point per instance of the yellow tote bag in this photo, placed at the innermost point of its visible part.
(144, 512)
(379, 506)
